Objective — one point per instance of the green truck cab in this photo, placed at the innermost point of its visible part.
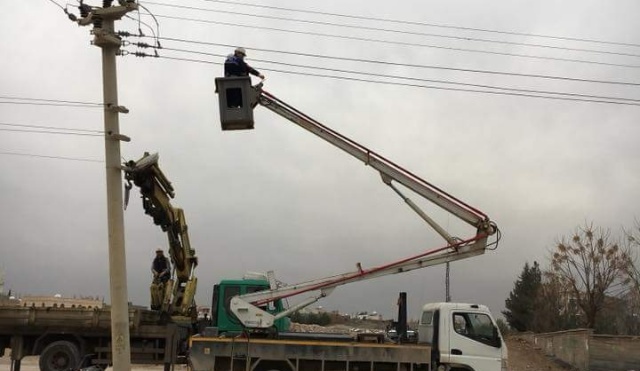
(223, 319)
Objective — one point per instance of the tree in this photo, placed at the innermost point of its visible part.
(502, 325)
(520, 305)
(554, 311)
(632, 266)
(592, 266)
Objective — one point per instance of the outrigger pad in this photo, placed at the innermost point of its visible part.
(234, 98)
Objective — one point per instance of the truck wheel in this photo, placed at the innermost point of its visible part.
(59, 356)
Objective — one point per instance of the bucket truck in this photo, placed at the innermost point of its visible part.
(453, 336)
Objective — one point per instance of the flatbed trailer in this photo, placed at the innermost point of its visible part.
(241, 353)
(70, 338)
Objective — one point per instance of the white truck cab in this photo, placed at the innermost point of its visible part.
(462, 337)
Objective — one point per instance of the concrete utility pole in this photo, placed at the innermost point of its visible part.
(103, 20)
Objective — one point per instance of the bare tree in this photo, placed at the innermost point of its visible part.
(555, 307)
(593, 266)
(632, 250)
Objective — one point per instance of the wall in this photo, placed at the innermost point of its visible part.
(586, 351)
(614, 353)
(569, 347)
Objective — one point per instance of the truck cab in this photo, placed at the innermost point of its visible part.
(462, 336)
(224, 320)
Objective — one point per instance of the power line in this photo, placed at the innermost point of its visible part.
(361, 60)
(61, 7)
(417, 85)
(29, 99)
(48, 104)
(49, 127)
(50, 132)
(50, 157)
(400, 42)
(378, 29)
(423, 80)
(398, 21)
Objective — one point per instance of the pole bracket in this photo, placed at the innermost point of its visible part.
(118, 109)
(120, 137)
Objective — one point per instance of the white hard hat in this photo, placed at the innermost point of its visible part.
(240, 50)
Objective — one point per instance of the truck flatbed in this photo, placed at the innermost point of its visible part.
(241, 353)
(66, 338)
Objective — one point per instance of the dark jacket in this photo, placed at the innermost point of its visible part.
(236, 66)
(161, 264)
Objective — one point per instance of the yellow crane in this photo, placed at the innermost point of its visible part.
(177, 296)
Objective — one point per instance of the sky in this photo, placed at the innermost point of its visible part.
(278, 198)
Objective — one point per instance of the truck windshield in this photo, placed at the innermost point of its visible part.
(476, 326)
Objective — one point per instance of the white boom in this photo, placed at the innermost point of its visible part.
(247, 307)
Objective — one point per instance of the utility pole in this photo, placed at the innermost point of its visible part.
(103, 20)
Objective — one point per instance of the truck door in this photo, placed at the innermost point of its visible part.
(474, 341)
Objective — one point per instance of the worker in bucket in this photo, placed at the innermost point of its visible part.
(235, 65)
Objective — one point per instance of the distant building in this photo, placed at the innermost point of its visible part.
(203, 312)
(373, 316)
(57, 301)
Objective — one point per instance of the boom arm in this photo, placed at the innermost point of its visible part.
(246, 307)
(157, 191)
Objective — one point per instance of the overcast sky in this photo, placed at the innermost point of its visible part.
(278, 198)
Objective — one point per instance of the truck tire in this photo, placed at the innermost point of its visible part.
(59, 356)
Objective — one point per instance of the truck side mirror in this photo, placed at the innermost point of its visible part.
(497, 342)
(235, 98)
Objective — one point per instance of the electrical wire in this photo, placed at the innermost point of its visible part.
(50, 157)
(154, 19)
(405, 22)
(420, 79)
(402, 32)
(402, 43)
(50, 132)
(61, 7)
(387, 63)
(143, 23)
(48, 104)
(416, 85)
(12, 97)
(51, 128)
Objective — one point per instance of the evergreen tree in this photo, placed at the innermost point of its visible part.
(520, 305)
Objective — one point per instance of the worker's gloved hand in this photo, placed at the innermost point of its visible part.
(261, 76)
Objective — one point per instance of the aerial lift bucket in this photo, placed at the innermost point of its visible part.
(236, 100)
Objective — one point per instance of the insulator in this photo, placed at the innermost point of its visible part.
(97, 22)
(84, 10)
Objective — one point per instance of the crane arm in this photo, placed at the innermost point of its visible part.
(388, 169)
(156, 192)
(247, 308)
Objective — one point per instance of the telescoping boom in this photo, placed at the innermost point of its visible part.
(248, 307)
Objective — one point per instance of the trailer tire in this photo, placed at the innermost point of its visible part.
(59, 356)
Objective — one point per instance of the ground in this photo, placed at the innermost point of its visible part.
(522, 357)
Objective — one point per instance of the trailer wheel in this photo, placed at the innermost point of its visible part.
(59, 356)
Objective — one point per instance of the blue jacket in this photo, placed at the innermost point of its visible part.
(236, 66)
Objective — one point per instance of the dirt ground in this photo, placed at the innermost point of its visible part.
(522, 357)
